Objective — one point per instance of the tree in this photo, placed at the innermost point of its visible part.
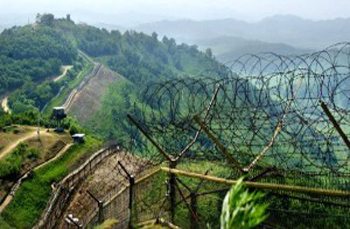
(155, 36)
(47, 19)
(209, 53)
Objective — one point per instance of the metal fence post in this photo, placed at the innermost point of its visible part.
(131, 180)
(100, 212)
(100, 207)
(131, 198)
(172, 190)
(193, 210)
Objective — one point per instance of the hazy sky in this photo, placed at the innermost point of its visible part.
(137, 11)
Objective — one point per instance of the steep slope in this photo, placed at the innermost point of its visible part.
(140, 59)
(88, 100)
(21, 150)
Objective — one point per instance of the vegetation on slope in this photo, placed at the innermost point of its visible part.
(31, 198)
(31, 54)
(12, 164)
(36, 96)
(141, 59)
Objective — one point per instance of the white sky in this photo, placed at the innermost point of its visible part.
(151, 10)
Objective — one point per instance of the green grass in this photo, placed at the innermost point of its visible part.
(11, 165)
(31, 198)
(153, 192)
(3, 224)
(108, 224)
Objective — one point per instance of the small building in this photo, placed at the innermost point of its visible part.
(78, 138)
(59, 113)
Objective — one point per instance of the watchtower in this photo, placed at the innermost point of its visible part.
(58, 114)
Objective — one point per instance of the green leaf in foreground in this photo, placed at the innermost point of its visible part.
(242, 209)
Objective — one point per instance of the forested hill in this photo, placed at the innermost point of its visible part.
(140, 59)
(34, 52)
(137, 56)
(30, 55)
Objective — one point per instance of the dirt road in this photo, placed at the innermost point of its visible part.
(4, 105)
(64, 72)
(9, 148)
(60, 153)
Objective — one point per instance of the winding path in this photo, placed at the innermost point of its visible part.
(65, 70)
(60, 153)
(4, 105)
(9, 148)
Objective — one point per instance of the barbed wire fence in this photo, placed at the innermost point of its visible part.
(273, 118)
(282, 122)
(264, 92)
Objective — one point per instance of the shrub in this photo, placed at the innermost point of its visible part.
(33, 154)
(74, 129)
(10, 168)
(242, 209)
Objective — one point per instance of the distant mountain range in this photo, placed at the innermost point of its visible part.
(231, 38)
(287, 29)
(228, 48)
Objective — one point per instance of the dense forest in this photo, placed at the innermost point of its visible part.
(31, 54)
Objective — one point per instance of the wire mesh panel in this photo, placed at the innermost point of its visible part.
(151, 199)
(291, 210)
(118, 209)
(198, 203)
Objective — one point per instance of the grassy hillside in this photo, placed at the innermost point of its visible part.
(31, 198)
(21, 151)
(139, 58)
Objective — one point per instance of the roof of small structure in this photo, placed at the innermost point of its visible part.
(58, 108)
(78, 135)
